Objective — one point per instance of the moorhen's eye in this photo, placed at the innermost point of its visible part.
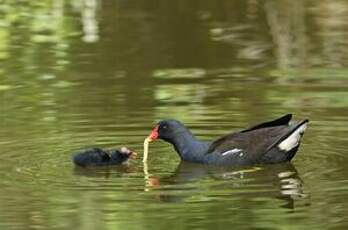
(164, 127)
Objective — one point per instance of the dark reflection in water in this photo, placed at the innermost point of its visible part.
(82, 73)
(279, 181)
(103, 172)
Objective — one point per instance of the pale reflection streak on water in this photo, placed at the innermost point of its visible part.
(95, 73)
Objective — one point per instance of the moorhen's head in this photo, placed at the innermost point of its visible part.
(123, 154)
(168, 130)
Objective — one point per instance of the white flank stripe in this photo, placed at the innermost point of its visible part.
(293, 140)
(232, 151)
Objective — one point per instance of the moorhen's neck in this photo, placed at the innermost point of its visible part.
(188, 147)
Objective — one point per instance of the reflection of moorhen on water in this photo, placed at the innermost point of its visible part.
(270, 142)
(279, 181)
(99, 157)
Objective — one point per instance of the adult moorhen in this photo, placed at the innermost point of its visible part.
(99, 157)
(270, 142)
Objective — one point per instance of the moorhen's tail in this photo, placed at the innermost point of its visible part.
(292, 138)
(284, 120)
(287, 145)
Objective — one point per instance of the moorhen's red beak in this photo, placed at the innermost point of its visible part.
(154, 134)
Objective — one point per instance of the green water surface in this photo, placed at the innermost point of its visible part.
(82, 73)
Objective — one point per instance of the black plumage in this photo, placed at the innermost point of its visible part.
(269, 142)
(100, 157)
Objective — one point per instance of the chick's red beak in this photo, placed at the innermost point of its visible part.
(154, 134)
(133, 155)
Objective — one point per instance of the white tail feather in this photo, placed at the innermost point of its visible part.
(293, 140)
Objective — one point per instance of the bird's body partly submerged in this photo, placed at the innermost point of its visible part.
(270, 142)
(100, 157)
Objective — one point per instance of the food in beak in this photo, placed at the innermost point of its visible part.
(146, 148)
(152, 137)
